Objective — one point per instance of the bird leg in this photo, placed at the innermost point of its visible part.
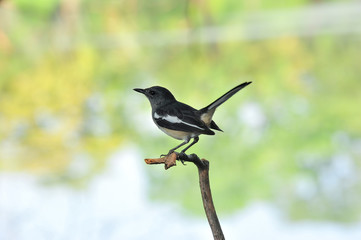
(195, 140)
(173, 149)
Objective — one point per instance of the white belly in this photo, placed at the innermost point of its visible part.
(180, 135)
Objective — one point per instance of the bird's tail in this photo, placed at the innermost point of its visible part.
(225, 97)
(207, 112)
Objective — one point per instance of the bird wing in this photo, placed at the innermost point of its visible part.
(181, 117)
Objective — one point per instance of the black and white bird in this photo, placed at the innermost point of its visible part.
(180, 120)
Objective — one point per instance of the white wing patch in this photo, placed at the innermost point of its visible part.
(174, 119)
(156, 116)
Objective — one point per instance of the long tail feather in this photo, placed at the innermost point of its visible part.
(225, 97)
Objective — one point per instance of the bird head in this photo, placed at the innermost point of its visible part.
(156, 95)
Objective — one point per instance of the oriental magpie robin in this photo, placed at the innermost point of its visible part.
(180, 120)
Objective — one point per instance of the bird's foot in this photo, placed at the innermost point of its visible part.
(180, 158)
(169, 153)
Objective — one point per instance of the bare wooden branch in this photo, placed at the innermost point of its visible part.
(203, 172)
(169, 160)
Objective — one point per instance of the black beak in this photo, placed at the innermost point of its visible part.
(139, 90)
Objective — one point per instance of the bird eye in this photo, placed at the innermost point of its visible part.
(151, 92)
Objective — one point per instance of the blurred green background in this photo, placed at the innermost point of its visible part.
(292, 137)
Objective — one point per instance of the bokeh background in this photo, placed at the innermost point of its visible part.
(73, 133)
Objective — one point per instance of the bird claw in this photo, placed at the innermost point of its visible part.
(178, 156)
(169, 153)
(181, 159)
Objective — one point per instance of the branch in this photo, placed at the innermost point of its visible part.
(203, 170)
